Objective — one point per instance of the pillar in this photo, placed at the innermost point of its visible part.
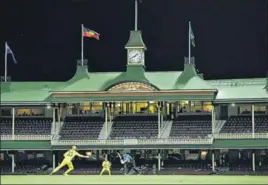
(53, 160)
(54, 128)
(106, 120)
(13, 123)
(159, 120)
(253, 161)
(159, 160)
(13, 163)
(213, 120)
(213, 160)
(253, 121)
(148, 107)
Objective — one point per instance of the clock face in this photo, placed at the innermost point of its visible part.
(135, 56)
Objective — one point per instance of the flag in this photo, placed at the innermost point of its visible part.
(191, 35)
(90, 33)
(9, 51)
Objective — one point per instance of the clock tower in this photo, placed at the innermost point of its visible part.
(135, 49)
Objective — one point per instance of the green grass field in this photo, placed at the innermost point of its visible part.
(148, 179)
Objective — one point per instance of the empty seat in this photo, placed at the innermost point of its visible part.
(81, 128)
(134, 127)
(191, 126)
(243, 124)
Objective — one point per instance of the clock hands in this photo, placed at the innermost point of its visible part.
(134, 56)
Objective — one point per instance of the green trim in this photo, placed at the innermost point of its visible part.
(134, 98)
(25, 145)
(24, 103)
(228, 101)
(240, 143)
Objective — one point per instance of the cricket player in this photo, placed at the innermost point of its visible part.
(106, 166)
(129, 163)
(68, 157)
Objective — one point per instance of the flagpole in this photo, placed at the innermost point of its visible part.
(189, 42)
(136, 15)
(82, 45)
(5, 62)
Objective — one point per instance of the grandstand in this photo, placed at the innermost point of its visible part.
(172, 122)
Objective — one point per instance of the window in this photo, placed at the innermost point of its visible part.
(184, 106)
(85, 106)
(245, 109)
(38, 112)
(196, 106)
(207, 106)
(24, 112)
(30, 111)
(6, 112)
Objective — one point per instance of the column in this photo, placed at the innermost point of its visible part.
(253, 121)
(54, 121)
(253, 161)
(213, 120)
(159, 160)
(13, 163)
(53, 160)
(175, 109)
(148, 107)
(106, 120)
(114, 109)
(109, 112)
(13, 123)
(159, 120)
(213, 160)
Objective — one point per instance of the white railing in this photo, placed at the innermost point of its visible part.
(132, 142)
(241, 136)
(26, 137)
(174, 141)
(87, 142)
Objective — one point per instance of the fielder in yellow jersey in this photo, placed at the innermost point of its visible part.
(106, 166)
(68, 157)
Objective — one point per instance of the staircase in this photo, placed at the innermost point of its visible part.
(56, 131)
(102, 134)
(166, 129)
(219, 124)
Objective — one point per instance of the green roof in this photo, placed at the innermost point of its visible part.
(25, 96)
(229, 90)
(94, 82)
(135, 40)
(30, 91)
(242, 94)
(190, 80)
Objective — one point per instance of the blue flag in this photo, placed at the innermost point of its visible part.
(9, 51)
(191, 34)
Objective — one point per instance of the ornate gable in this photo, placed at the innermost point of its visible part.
(132, 86)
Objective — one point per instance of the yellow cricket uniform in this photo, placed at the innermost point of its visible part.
(106, 166)
(68, 157)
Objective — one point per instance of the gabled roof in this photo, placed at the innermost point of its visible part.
(30, 91)
(190, 80)
(94, 82)
(229, 90)
(242, 94)
(163, 80)
(25, 96)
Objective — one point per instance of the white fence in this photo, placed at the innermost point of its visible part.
(132, 142)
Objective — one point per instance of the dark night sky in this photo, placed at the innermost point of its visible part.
(45, 36)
